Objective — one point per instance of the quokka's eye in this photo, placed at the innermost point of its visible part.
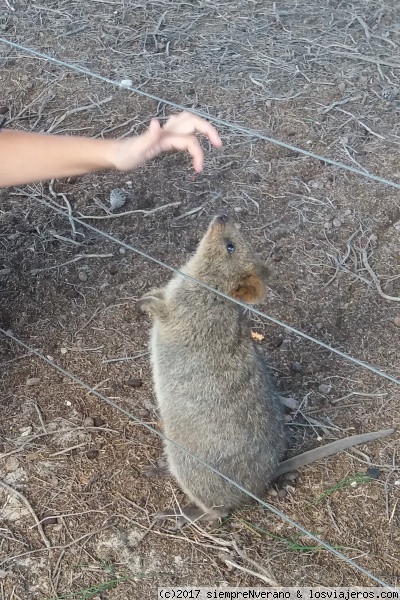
(230, 246)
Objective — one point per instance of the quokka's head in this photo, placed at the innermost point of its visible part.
(225, 260)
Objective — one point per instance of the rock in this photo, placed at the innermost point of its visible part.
(72, 293)
(88, 422)
(389, 93)
(285, 345)
(32, 381)
(296, 367)
(324, 388)
(110, 299)
(272, 492)
(82, 276)
(135, 383)
(282, 494)
(97, 422)
(113, 268)
(396, 320)
(342, 86)
(336, 223)
(277, 341)
(117, 198)
(143, 413)
(373, 473)
(92, 454)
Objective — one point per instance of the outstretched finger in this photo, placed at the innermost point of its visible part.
(191, 145)
(196, 152)
(196, 125)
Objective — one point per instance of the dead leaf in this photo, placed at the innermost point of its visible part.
(258, 337)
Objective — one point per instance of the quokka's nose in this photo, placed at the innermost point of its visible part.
(222, 219)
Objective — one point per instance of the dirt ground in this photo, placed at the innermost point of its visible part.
(325, 78)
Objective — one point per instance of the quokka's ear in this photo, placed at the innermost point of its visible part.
(251, 290)
(153, 303)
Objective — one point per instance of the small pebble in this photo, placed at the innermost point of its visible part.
(110, 299)
(122, 250)
(88, 422)
(389, 93)
(342, 86)
(97, 422)
(93, 453)
(397, 321)
(135, 383)
(143, 412)
(113, 268)
(282, 494)
(126, 82)
(319, 326)
(72, 293)
(347, 212)
(238, 209)
(327, 225)
(33, 381)
(324, 388)
(118, 198)
(296, 367)
(63, 351)
(82, 276)
(373, 473)
(272, 492)
(277, 341)
(310, 246)
(336, 223)
(285, 345)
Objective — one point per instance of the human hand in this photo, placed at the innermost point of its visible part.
(178, 133)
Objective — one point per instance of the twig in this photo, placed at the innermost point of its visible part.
(73, 111)
(365, 27)
(381, 137)
(374, 61)
(375, 278)
(124, 358)
(22, 498)
(40, 418)
(338, 103)
(69, 262)
(232, 563)
(252, 562)
(145, 213)
(87, 323)
(64, 197)
(62, 238)
(9, 5)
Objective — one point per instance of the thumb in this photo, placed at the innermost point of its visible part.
(154, 131)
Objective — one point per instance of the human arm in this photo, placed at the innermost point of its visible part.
(31, 157)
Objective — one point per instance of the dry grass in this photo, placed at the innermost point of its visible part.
(324, 78)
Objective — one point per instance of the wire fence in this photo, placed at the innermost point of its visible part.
(258, 135)
(259, 313)
(229, 124)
